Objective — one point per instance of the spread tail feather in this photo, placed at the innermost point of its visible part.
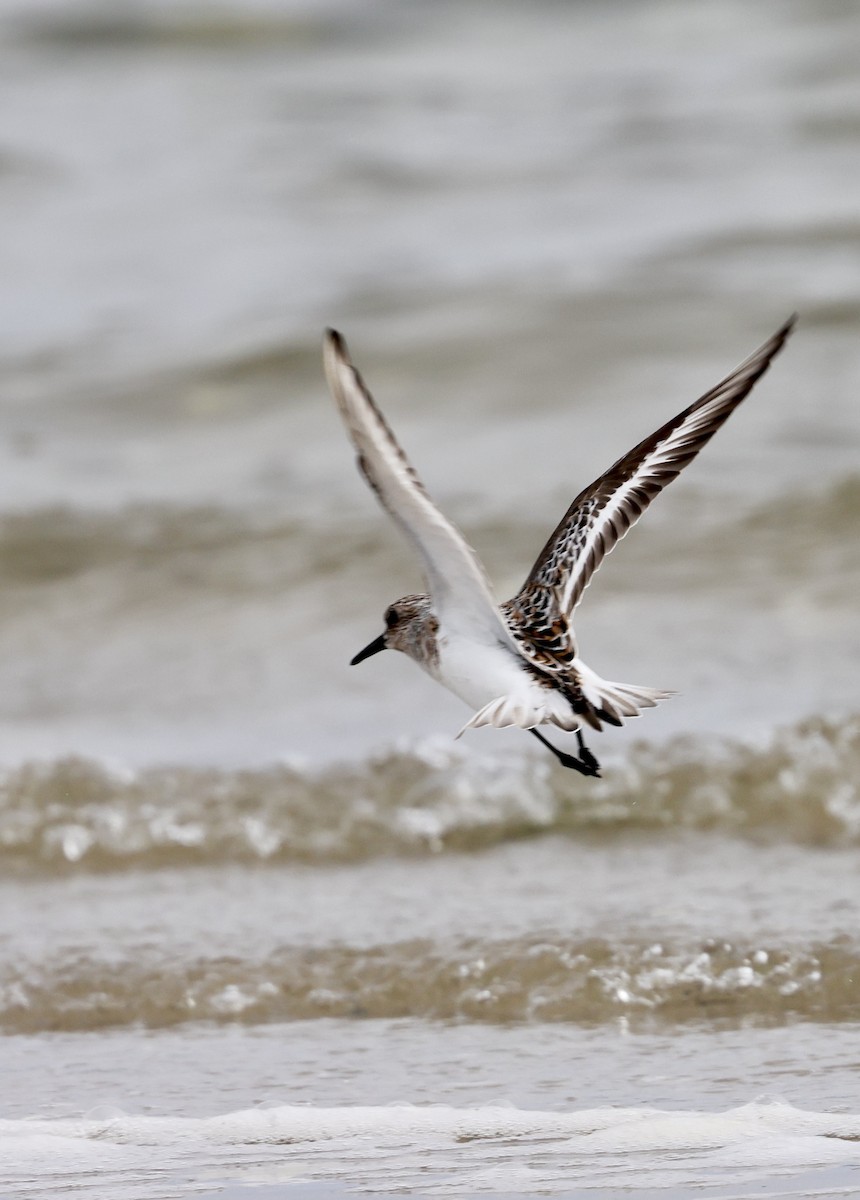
(602, 702)
(614, 703)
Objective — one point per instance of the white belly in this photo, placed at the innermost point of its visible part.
(497, 679)
(478, 673)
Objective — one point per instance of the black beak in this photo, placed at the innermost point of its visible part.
(375, 646)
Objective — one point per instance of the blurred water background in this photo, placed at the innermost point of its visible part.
(237, 874)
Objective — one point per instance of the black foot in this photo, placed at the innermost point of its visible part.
(586, 764)
(586, 756)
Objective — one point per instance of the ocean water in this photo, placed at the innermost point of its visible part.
(266, 929)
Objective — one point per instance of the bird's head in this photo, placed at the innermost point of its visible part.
(410, 626)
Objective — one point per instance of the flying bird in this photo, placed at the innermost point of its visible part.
(517, 663)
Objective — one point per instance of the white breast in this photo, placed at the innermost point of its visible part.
(497, 683)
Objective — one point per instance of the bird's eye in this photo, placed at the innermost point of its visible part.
(391, 618)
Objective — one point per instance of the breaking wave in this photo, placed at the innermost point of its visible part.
(440, 1150)
(552, 978)
(75, 814)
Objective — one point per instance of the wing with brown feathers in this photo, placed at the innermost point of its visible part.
(602, 514)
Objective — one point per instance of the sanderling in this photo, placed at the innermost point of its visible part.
(517, 663)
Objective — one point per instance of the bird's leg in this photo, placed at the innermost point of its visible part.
(585, 754)
(587, 764)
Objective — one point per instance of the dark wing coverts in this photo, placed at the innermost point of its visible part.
(601, 515)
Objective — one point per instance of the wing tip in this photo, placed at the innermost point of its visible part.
(336, 342)
(339, 369)
(786, 327)
(753, 367)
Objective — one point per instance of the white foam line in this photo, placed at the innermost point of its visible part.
(593, 1129)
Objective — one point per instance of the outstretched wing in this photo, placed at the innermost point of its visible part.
(601, 515)
(462, 597)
